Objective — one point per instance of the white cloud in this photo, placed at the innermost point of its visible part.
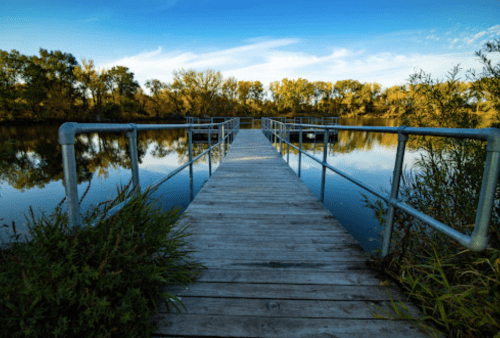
(478, 35)
(268, 61)
(455, 40)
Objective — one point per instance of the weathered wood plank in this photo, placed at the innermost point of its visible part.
(269, 246)
(304, 256)
(292, 240)
(355, 277)
(287, 291)
(287, 308)
(275, 327)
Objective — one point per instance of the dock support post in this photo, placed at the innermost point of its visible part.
(300, 146)
(398, 168)
(287, 128)
(323, 175)
(210, 151)
(190, 136)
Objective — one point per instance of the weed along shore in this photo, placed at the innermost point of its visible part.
(97, 280)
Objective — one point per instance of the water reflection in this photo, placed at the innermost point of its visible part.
(31, 170)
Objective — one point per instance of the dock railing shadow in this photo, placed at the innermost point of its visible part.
(278, 131)
(67, 136)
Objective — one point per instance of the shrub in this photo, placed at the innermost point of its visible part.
(94, 281)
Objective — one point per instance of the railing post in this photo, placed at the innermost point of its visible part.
(67, 134)
(300, 146)
(323, 175)
(223, 141)
(220, 141)
(134, 161)
(71, 184)
(398, 168)
(281, 138)
(190, 137)
(288, 144)
(209, 150)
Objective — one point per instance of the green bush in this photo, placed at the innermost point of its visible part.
(94, 281)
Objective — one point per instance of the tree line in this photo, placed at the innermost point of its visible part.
(54, 86)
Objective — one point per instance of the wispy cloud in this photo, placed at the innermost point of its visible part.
(271, 60)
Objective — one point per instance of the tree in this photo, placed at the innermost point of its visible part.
(62, 91)
(96, 82)
(486, 84)
(155, 87)
(201, 89)
(11, 67)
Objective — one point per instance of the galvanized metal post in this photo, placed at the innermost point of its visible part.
(210, 150)
(223, 141)
(71, 184)
(288, 144)
(323, 175)
(134, 162)
(219, 141)
(281, 138)
(67, 134)
(487, 195)
(300, 146)
(190, 136)
(398, 168)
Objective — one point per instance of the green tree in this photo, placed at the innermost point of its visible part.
(156, 87)
(11, 68)
(62, 91)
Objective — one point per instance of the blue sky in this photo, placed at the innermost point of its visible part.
(369, 41)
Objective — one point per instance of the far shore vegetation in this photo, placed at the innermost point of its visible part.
(54, 86)
(102, 281)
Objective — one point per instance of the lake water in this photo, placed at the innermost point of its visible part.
(31, 171)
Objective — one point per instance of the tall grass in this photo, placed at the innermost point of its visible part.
(101, 281)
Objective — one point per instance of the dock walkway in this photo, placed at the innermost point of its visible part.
(279, 264)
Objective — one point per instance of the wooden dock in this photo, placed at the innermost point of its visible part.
(279, 264)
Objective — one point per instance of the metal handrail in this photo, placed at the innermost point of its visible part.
(478, 241)
(67, 138)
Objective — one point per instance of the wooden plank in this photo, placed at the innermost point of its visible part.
(266, 265)
(250, 238)
(289, 277)
(275, 327)
(287, 291)
(303, 256)
(266, 233)
(267, 246)
(287, 308)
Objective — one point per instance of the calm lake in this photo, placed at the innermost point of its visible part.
(31, 171)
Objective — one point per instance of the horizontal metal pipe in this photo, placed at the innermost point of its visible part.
(479, 134)
(341, 173)
(458, 236)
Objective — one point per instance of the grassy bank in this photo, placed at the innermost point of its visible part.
(101, 281)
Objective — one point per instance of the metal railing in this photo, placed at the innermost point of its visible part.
(478, 241)
(196, 119)
(67, 137)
